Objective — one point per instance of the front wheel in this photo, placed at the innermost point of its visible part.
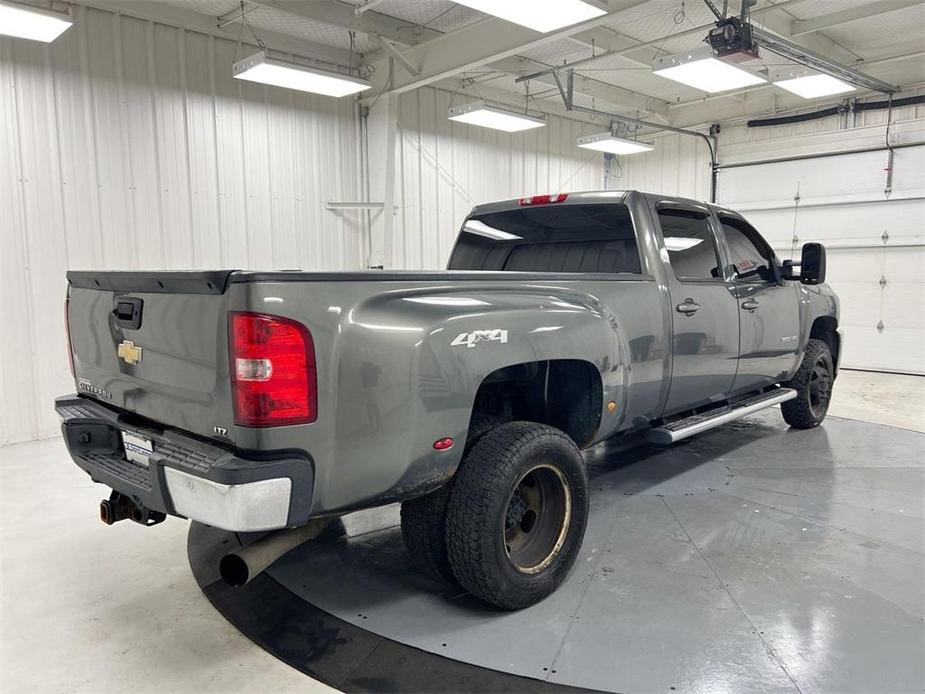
(813, 384)
(517, 513)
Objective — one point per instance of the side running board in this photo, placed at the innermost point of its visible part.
(697, 423)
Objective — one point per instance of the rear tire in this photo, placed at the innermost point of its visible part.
(422, 529)
(423, 519)
(517, 513)
(813, 384)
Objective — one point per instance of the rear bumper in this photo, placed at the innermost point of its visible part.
(226, 488)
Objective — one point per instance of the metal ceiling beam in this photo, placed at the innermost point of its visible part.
(799, 27)
(792, 51)
(604, 39)
(235, 16)
(601, 38)
(479, 44)
(367, 6)
(344, 15)
(168, 15)
(644, 45)
(609, 93)
(551, 105)
(781, 23)
(394, 51)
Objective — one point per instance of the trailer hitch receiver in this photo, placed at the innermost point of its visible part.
(119, 507)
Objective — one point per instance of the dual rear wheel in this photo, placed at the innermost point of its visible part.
(511, 521)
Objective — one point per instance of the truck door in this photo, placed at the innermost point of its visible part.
(705, 317)
(769, 314)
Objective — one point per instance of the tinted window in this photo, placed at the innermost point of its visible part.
(748, 254)
(550, 238)
(690, 243)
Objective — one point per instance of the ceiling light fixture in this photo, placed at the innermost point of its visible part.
(608, 142)
(34, 23)
(702, 70)
(811, 85)
(474, 226)
(676, 244)
(539, 15)
(495, 117)
(284, 73)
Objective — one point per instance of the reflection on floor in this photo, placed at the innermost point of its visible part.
(751, 558)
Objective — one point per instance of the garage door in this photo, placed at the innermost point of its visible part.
(874, 239)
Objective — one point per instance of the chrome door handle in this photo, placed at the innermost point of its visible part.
(751, 305)
(688, 307)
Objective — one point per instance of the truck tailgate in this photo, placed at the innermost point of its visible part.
(154, 344)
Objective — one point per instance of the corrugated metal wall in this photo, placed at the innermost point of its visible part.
(446, 167)
(127, 144)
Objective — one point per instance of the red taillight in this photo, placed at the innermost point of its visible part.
(67, 332)
(543, 199)
(273, 375)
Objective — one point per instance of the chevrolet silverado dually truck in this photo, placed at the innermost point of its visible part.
(273, 401)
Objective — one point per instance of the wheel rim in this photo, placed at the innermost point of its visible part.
(820, 386)
(537, 519)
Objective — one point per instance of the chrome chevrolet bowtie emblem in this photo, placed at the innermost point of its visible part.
(128, 352)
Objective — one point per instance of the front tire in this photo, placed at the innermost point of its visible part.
(517, 513)
(813, 384)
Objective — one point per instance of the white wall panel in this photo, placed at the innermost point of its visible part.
(843, 204)
(126, 144)
(445, 168)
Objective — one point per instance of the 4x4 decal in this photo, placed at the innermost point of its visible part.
(476, 337)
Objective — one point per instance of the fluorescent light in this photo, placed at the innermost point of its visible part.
(676, 244)
(282, 73)
(487, 116)
(608, 142)
(539, 15)
(703, 70)
(474, 226)
(447, 301)
(34, 23)
(812, 86)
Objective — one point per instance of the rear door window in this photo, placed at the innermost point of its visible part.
(550, 238)
(690, 242)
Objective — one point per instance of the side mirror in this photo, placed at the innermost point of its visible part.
(812, 264)
(790, 270)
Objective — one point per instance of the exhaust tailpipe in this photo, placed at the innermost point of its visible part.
(243, 565)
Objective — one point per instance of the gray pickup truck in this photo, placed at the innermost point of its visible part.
(259, 401)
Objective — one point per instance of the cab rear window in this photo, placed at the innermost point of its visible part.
(550, 238)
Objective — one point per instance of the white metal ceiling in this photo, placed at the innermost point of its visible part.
(669, 25)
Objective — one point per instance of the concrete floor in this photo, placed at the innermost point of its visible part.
(891, 399)
(86, 608)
